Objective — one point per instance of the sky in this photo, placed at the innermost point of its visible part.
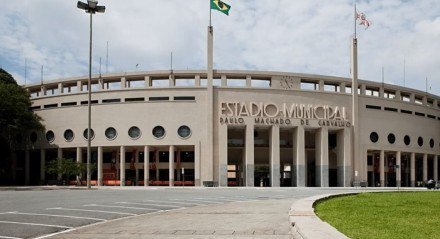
(300, 36)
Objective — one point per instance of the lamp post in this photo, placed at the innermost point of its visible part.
(90, 7)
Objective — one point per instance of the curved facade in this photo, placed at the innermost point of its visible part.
(250, 129)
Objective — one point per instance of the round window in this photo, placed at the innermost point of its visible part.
(431, 143)
(68, 135)
(110, 133)
(391, 138)
(158, 132)
(92, 134)
(184, 131)
(50, 136)
(374, 137)
(134, 132)
(420, 141)
(407, 140)
(33, 137)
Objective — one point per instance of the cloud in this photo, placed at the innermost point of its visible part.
(307, 36)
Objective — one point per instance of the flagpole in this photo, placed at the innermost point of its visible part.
(355, 17)
(355, 107)
(209, 105)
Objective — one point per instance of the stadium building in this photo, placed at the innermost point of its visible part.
(245, 128)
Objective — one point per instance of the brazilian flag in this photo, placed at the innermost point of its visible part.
(220, 6)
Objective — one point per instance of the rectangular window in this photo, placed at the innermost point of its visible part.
(85, 102)
(236, 82)
(68, 104)
(111, 101)
(185, 82)
(260, 83)
(419, 114)
(160, 83)
(39, 107)
(374, 107)
(308, 86)
(140, 99)
(136, 83)
(431, 116)
(159, 98)
(406, 112)
(184, 98)
(391, 109)
(50, 106)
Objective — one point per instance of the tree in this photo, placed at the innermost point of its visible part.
(66, 168)
(16, 119)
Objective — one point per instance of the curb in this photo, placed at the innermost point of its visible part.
(305, 223)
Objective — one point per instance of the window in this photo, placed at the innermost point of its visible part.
(110, 133)
(158, 132)
(184, 131)
(407, 140)
(134, 132)
(431, 143)
(92, 134)
(374, 137)
(50, 136)
(420, 141)
(33, 137)
(68, 135)
(391, 138)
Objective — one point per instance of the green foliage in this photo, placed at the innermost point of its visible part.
(15, 116)
(67, 167)
(384, 215)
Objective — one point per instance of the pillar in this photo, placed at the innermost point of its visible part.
(399, 169)
(275, 156)
(122, 166)
(59, 158)
(147, 80)
(223, 81)
(171, 81)
(248, 81)
(342, 87)
(249, 155)
(26, 166)
(146, 165)
(425, 167)
(223, 156)
(171, 166)
(78, 160)
(197, 153)
(321, 162)
(79, 85)
(382, 168)
(413, 169)
(100, 170)
(42, 166)
(300, 157)
(123, 82)
(344, 158)
(197, 79)
(436, 167)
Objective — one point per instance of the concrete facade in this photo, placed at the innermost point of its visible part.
(247, 128)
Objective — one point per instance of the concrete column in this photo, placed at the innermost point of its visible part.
(100, 170)
(413, 169)
(78, 160)
(147, 80)
(224, 80)
(363, 89)
(397, 97)
(79, 86)
(425, 167)
(122, 166)
(342, 87)
(197, 78)
(381, 92)
(223, 156)
(101, 84)
(249, 155)
(60, 88)
(300, 157)
(197, 153)
(123, 82)
(26, 166)
(321, 85)
(146, 165)
(382, 168)
(248, 81)
(171, 81)
(43, 90)
(399, 169)
(42, 166)
(59, 157)
(436, 167)
(171, 166)
(136, 162)
(321, 162)
(344, 158)
(275, 156)
(425, 100)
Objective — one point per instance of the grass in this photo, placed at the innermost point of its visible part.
(384, 215)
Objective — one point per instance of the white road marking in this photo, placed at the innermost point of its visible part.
(36, 224)
(10, 237)
(185, 203)
(149, 204)
(54, 215)
(189, 200)
(135, 208)
(217, 199)
(86, 210)
(7, 212)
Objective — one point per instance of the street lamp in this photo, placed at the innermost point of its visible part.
(90, 7)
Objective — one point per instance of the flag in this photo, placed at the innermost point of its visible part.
(363, 20)
(220, 6)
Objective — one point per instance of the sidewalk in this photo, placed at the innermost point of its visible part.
(251, 219)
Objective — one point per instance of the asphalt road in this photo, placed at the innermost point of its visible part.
(42, 213)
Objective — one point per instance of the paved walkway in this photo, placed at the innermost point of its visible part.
(251, 219)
